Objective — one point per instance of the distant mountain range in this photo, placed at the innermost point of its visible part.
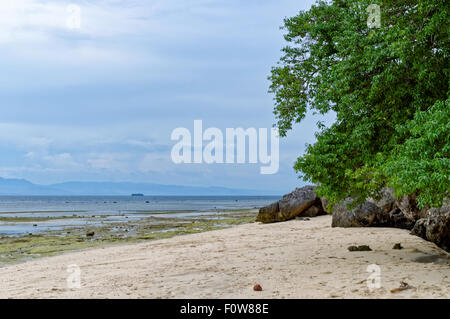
(18, 187)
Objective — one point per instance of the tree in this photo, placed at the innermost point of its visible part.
(389, 88)
(422, 161)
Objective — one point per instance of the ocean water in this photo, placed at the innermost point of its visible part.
(57, 212)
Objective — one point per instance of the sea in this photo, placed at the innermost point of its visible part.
(19, 214)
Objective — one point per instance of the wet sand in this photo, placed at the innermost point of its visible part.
(295, 259)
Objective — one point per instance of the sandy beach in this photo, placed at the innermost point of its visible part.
(295, 259)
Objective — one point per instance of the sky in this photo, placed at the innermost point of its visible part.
(99, 102)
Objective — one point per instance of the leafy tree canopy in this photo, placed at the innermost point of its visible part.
(389, 88)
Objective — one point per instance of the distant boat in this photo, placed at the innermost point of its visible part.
(137, 194)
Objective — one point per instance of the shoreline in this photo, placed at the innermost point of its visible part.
(17, 249)
(294, 259)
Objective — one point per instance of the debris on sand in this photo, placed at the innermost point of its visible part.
(257, 288)
(403, 286)
(359, 248)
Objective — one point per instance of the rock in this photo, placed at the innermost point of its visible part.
(291, 206)
(314, 211)
(389, 204)
(268, 213)
(409, 208)
(435, 227)
(365, 215)
(387, 201)
(359, 248)
(398, 246)
(420, 228)
(371, 215)
(400, 214)
(399, 220)
(257, 288)
(324, 203)
(297, 201)
(438, 226)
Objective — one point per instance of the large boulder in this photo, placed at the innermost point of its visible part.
(268, 213)
(297, 201)
(292, 205)
(408, 205)
(325, 203)
(385, 211)
(398, 220)
(420, 228)
(369, 215)
(374, 212)
(387, 200)
(313, 211)
(364, 215)
(435, 227)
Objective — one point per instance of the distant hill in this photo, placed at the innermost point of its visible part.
(19, 187)
(24, 187)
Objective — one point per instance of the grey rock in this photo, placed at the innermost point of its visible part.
(359, 248)
(438, 226)
(268, 212)
(313, 211)
(364, 215)
(325, 207)
(435, 227)
(290, 206)
(387, 200)
(398, 220)
(420, 228)
(297, 201)
(408, 206)
(371, 215)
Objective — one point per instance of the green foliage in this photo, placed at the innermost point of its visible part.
(422, 163)
(381, 83)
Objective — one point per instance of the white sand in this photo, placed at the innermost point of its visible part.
(295, 259)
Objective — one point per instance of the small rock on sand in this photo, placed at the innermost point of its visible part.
(359, 248)
(257, 288)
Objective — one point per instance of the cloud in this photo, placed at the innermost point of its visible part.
(37, 20)
(100, 102)
(109, 161)
(63, 160)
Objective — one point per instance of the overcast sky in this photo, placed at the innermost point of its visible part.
(99, 103)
